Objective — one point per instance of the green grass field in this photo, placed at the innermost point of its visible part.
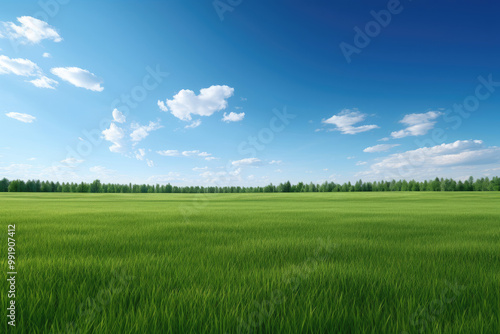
(254, 263)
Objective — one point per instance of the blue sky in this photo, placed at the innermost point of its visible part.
(247, 93)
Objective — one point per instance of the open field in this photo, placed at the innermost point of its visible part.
(260, 263)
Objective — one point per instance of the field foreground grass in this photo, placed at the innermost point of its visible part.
(254, 263)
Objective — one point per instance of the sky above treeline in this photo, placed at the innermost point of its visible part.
(248, 92)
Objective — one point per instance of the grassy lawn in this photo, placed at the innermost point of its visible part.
(254, 263)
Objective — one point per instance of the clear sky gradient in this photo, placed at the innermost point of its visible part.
(248, 92)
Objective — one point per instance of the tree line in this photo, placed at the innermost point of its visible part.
(480, 184)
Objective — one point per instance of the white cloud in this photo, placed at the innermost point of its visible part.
(379, 148)
(247, 162)
(79, 78)
(19, 170)
(103, 171)
(118, 116)
(222, 177)
(205, 154)
(193, 124)
(169, 153)
(428, 162)
(162, 106)
(71, 161)
(190, 153)
(361, 163)
(150, 163)
(115, 135)
(233, 117)
(25, 118)
(26, 68)
(30, 30)
(349, 158)
(211, 158)
(46, 55)
(31, 159)
(140, 154)
(345, 120)
(275, 162)
(44, 82)
(384, 139)
(18, 66)
(278, 171)
(210, 100)
(197, 169)
(141, 132)
(418, 124)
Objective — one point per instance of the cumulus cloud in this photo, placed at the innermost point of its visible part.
(142, 131)
(118, 116)
(26, 68)
(418, 124)
(162, 106)
(30, 30)
(193, 153)
(210, 100)
(79, 78)
(101, 170)
(190, 153)
(222, 177)
(169, 153)
(71, 161)
(247, 162)
(115, 135)
(233, 117)
(193, 124)
(19, 66)
(46, 55)
(345, 121)
(140, 154)
(25, 118)
(428, 162)
(379, 148)
(44, 82)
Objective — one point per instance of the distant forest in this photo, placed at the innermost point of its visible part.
(482, 184)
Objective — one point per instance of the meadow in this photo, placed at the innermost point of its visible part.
(424, 262)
